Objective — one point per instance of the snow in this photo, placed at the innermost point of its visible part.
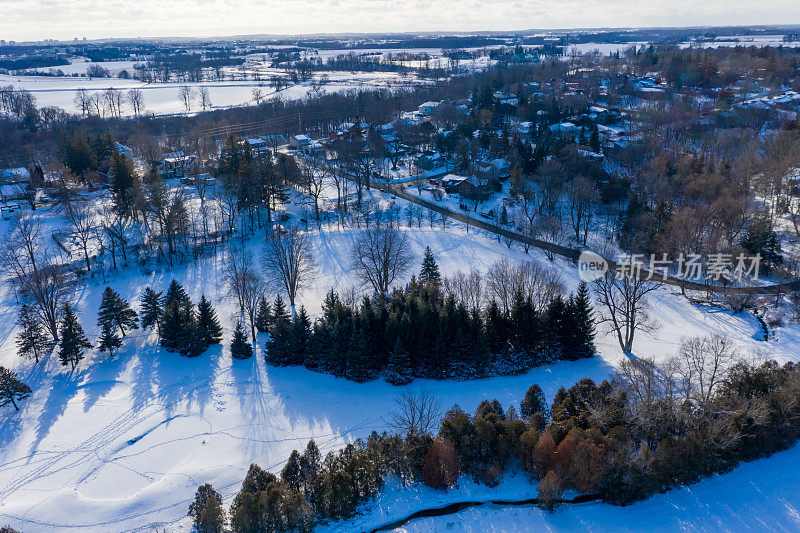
(122, 443)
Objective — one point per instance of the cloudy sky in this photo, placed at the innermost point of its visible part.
(60, 19)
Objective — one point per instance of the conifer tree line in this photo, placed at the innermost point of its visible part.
(598, 439)
(420, 332)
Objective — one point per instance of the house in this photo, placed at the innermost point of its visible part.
(502, 168)
(201, 179)
(275, 140)
(257, 145)
(429, 160)
(495, 169)
(452, 182)
(427, 108)
(523, 128)
(9, 211)
(12, 192)
(411, 118)
(565, 128)
(179, 165)
(14, 175)
(300, 142)
(124, 150)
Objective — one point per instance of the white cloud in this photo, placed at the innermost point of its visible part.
(26, 20)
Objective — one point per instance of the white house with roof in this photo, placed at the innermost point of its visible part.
(428, 108)
(300, 141)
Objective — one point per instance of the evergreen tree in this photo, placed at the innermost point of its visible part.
(359, 362)
(152, 309)
(429, 270)
(582, 318)
(279, 309)
(398, 370)
(309, 466)
(207, 511)
(11, 388)
(176, 293)
(301, 331)
(291, 471)
(109, 339)
(279, 345)
(209, 330)
(123, 183)
(73, 340)
(240, 345)
(534, 402)
(263, 316)
(179, 323)
(559, 328)
(171, 327)
(190, 343)
(116, 310)
(32, 338)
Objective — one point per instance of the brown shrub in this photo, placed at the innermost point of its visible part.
(441, 467)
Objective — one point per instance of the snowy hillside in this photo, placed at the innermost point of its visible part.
(121, 443)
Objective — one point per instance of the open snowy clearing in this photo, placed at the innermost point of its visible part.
(122, 443)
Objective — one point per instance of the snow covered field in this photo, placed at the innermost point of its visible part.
(122, 443)
(162, 98)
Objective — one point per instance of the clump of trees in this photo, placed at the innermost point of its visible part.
(183, 327)
(651, 428)
(420, 332)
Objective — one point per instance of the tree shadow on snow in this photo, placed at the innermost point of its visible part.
(102, 373)
(185, 380)
(63, 387)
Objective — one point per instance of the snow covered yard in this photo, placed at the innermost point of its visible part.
(122, 443)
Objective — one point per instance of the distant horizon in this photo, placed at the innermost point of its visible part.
(148, 19)
(425, 33)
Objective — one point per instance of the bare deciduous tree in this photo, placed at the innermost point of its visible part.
(415, 413)
(623, 304)
(380, 255)
(466, 287)
(185, 97)
(81, 220)
(82, 101)
(287, 260)
(35, 272)
(505, 280)
(237, 272)
(704, 363)
(253, 288)
(205, 98)
(136, 101)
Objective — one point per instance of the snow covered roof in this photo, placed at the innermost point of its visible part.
(17, 173)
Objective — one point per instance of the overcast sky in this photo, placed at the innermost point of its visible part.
(65, 19)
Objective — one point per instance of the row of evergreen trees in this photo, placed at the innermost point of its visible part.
(418, 332)
(182, 326)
